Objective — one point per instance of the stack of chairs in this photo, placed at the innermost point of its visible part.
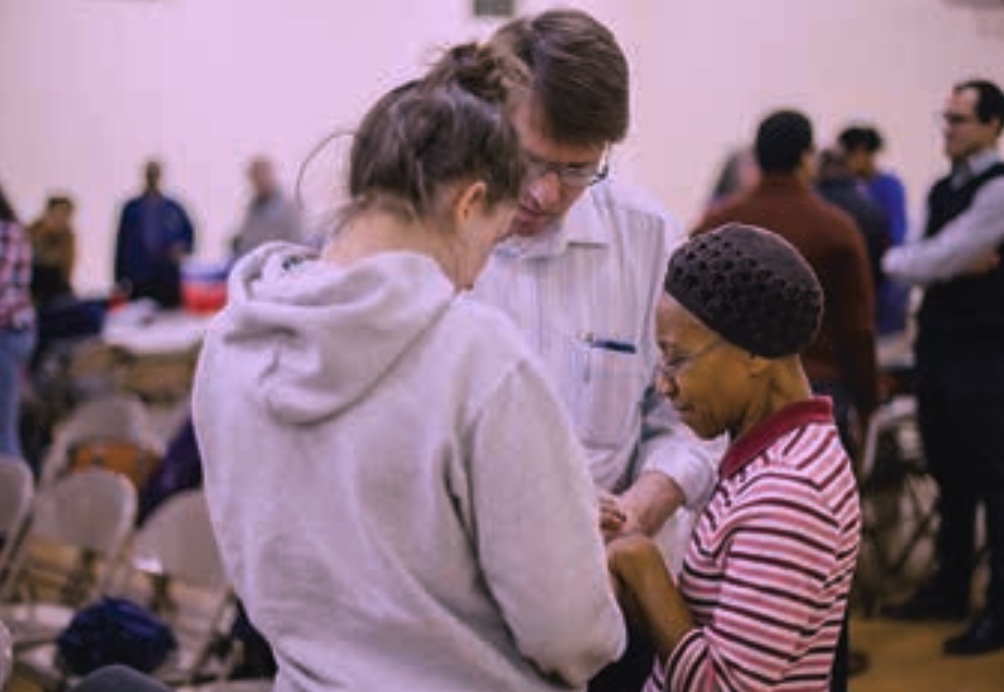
(899, 506)
(112, 431)
(71, 539)
(75, 533)
(170, 566)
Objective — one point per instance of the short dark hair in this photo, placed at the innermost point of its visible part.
(990, 104)
(860, 138)
(579, 75)
(782, 140)
(7, 212)
(833, 165)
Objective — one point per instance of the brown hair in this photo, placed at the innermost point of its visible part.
(579, 75)
(447, 127)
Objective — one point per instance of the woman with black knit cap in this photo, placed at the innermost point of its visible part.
(766, 578)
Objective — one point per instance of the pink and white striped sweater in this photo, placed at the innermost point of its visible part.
(769, 569)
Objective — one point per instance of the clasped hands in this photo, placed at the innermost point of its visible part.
(616, 518)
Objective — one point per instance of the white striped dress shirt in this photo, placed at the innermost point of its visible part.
(584, 295)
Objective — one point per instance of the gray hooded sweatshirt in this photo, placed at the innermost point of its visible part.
(397, 494)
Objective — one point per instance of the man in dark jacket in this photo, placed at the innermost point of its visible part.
(154, 236)
(960, 363)
(840, 188)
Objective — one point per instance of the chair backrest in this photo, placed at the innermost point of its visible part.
(174, 568)
(17, 488)
(117, 417)
(91, 513)
(6, 655)
(894, 413)
(177, 539)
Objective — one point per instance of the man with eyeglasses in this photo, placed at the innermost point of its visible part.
(960, 363)
(580, 275)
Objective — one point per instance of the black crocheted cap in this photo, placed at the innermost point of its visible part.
(749, 285)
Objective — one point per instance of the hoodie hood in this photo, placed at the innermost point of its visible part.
(317, 336)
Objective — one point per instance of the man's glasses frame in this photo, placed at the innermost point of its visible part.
(575, 176)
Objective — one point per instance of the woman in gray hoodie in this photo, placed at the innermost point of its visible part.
(397, 494)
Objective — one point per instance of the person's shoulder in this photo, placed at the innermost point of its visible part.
(132, 203)
(625, 198)
(887, 180)
(483, 326)
(635, 214)
(834, 219)
(782, 476)
(35, 228)
(486, 345)
(175, 203)
(732, 208)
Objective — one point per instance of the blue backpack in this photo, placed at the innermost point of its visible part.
(115, 630)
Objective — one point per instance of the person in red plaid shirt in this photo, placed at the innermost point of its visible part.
(17, 323)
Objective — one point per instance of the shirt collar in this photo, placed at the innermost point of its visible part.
(975, 165)
(786, 182)
(582, 225)
(750, 445)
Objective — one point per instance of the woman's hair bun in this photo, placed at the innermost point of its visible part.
(483, 70)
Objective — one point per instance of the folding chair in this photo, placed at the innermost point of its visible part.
(112, 432)
(17, 488)
(899, 505)
(175, 551)
(6, 655)
(76, 531)
(173, 568)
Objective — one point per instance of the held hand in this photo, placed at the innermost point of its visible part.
(615, 519)
(647, 592)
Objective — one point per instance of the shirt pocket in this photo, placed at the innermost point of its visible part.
(607, 389)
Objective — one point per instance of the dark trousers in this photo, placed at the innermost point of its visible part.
(961, 417)
(630, 672)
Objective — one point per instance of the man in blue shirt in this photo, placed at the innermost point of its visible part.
(861, 145)
(154, 235)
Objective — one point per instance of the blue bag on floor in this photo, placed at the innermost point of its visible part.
(115, 630)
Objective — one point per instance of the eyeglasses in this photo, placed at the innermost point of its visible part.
(671, 367)
(956, 119)
(569, 175)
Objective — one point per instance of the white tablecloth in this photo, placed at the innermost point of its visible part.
(144, 331)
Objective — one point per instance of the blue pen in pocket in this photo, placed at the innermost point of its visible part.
(613, 345)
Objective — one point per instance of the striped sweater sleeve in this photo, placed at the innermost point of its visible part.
(776, 591)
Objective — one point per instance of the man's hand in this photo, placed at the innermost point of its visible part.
(615, 519)
(652, 499)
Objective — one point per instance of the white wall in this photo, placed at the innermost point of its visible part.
(92, 87)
